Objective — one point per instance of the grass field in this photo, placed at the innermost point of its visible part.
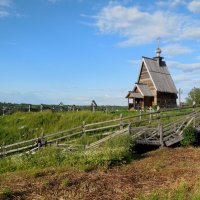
(23, 126)
(112, 171)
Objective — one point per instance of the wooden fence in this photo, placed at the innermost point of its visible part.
(145, 125)
(169, 134)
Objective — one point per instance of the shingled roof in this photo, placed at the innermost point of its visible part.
(132, 94)
(159, 75)
(144, 89)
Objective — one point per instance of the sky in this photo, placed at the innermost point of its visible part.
(76, 51)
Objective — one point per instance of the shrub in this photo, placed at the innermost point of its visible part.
(37, 174)
(65, 182)
(7, 193)
(190, 136)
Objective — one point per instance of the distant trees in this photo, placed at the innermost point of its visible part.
(193, 95)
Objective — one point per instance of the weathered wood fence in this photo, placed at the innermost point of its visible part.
(169, 134)
(146, 128)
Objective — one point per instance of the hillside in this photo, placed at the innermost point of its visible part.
(162, 174)
(112, 171)
(22, 126)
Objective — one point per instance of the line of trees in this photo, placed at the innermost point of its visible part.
(9, 108)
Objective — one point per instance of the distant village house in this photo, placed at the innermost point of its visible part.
(154, 86)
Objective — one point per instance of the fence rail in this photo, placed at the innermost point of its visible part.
(152, 120)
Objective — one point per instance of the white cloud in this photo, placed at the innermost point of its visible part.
(53, 1)
(194, 6)
(170, 3)
(140, 27)
(102, 96)
(5, 3)
(4, 13)
(180, 78)
(185, 67)
(176, 49)
(191, 32)
(186, 76)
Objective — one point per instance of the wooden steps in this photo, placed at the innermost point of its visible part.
(171, 133)
(148, 142)
(173, 139)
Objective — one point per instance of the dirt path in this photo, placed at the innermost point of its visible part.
(163, 169)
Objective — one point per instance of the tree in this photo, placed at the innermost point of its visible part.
(193, 95)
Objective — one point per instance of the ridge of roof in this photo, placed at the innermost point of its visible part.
(160, 76)
(148, 58)
(140, 83)
(154, 58)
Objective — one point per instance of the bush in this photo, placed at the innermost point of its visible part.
(190, 136)
(7, 193)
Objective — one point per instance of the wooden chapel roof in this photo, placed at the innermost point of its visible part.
(144, 89)
(159, 74)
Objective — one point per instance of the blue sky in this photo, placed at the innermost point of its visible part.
(75, 51)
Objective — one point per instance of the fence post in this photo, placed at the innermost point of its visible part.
(158, 114)
(41, 108)
(3, 149)
(194, 121)
(106, 110)
(2, 152)
(129, 128)
(43, 141)
(83, 127)
(57, 143)
(121, 121)
(3, 110)
(140, 114)
(150, 117)
(193, 105)
(160, 129)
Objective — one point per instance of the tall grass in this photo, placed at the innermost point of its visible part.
(22, 126)
(112, 152)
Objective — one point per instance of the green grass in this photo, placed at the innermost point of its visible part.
(112, 152)
(190, 136)
(182, 192)
(23, 126)
(6, 194)
(65, 182)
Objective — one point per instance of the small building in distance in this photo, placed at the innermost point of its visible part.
(154, 85)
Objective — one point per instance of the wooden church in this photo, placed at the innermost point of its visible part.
(154, 86)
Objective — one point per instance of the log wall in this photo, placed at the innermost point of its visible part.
(145, 78)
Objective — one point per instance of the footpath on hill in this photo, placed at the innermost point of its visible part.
(166, 172)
